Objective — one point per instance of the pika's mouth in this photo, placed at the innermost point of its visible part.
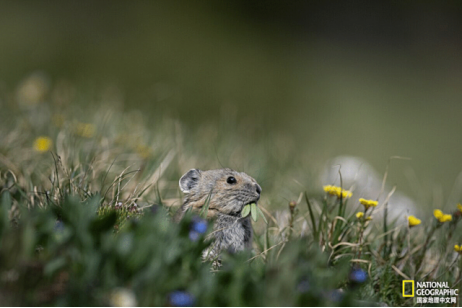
(246, 205)
(250, 202)
(252, 210)
(242, 206)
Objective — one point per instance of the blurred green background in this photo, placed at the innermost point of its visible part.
(360, 79)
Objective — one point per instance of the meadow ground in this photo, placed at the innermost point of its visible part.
(87, 192)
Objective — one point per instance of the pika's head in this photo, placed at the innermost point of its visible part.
(224, 190)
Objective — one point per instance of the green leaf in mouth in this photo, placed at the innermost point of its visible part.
(254, 210)
(245, 211)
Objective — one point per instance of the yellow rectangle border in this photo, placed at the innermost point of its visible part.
(404, 283)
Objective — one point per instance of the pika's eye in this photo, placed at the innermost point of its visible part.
(231, 180)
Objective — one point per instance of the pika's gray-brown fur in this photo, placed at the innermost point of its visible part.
(228, 192)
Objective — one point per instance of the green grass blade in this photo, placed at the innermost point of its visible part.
(262, 215)
(310, 210)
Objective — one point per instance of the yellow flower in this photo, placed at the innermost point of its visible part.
(458, 249)
(413, 221)
(42, 144)
(446, 217)
(346, 194)
(438, 214)
(337, 191)
(368, 203)
(360, 215)
(85, 130)
(459, 207)
(441, 216)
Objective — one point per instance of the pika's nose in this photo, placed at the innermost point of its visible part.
(258, 189)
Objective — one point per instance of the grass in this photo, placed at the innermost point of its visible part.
(85, 218)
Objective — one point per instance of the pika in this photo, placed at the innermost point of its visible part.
(226, 192)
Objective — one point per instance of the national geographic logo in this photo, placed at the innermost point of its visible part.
(430, 292)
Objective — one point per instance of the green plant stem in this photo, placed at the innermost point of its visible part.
(443, 256)
(291, 224)
(385, 230)
(424, 248)
(360, 240)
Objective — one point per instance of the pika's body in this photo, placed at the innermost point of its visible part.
(224, 192)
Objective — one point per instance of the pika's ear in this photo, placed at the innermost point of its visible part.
(189, 180)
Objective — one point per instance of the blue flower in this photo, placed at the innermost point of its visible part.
(199, 225)
(181, 299)
(358, 275)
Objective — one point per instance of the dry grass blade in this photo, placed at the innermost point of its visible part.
(160, 170)
(265, 251)
(270, 216)
(400, 272)
(345, 244)
(8, 164)
(385, 175)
